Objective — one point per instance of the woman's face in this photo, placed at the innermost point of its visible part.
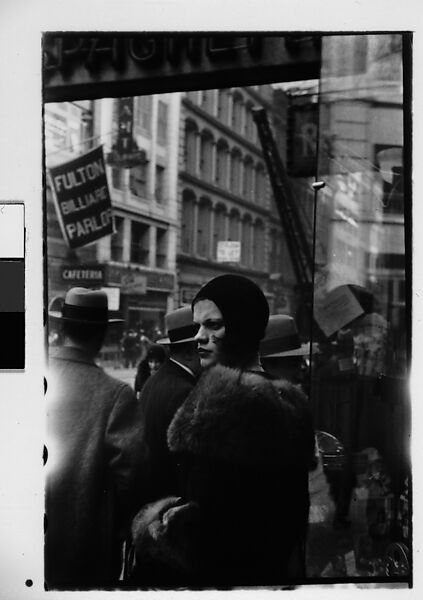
(211, 331)
(154, 365)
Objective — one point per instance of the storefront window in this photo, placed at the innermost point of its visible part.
(359, 391)
(337, 265)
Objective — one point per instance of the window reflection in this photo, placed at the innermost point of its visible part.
(205, 181)
(358, 379)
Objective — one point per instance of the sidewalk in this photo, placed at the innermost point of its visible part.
(126, 375)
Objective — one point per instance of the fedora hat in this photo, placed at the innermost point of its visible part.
(282, 339)
(180, 327)
(85, 306)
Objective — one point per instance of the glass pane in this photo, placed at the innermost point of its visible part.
(211, 183)
(359, 377)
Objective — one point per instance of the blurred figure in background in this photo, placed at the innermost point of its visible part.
(150, 364)
(163, 394)
(130, 348)
(282, 354)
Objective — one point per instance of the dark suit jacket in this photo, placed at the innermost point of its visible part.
(94, 463)
(161, 396)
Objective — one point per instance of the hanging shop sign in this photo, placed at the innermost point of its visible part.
(82, 198)
(161, 282)
(339, 307)
(82, 65)
(302, 138)
(125, 153)
(187, 295)
(133, 282)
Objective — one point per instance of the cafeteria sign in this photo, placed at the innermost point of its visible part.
(82, 198)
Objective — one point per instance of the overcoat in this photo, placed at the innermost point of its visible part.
(162, 395)
(94, 471)
(244, 445)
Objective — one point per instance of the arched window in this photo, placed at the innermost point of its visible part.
(247, 241)
(234, 219)
(222, 163)
(247, 184)
(219, 233)
(207, 101)
(206, 156)
(250, 126)
(235, 182)
(260, 186)
(258, 245)
(237, 112)
(191, 134)
(223, 106)
(275, 251)
(187, 222)
(203, 228)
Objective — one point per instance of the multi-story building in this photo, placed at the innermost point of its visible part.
(202, 181)
(139, 258)
(224, 190)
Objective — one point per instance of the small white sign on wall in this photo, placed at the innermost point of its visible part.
(113, 297)
(228, 252)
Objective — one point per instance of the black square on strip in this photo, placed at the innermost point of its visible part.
(12, 340)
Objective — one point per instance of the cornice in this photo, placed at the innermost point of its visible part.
(189, 259)
(217, 191)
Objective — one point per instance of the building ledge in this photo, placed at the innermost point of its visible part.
(188, 259)
(218, 191)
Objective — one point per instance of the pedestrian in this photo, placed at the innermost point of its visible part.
(281, 352)
(164, 393)
(150, 364)
(242, 444)
(283, 355)
(129, 348)
(144, 343)
(94, 452)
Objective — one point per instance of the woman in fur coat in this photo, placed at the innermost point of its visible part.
(243, 443)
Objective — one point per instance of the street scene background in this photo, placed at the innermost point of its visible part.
(202, 182)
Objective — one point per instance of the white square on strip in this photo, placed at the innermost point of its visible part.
(12, 230)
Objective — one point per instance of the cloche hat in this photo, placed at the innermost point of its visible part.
(180, 327)
(243, 305)
(83, 305)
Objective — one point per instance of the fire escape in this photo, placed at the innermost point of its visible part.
(292, 220)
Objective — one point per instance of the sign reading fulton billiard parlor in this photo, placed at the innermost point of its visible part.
(82, 198)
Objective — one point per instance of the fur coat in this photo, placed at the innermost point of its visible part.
(243, 444)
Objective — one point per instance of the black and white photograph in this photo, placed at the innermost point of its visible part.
(221, 288)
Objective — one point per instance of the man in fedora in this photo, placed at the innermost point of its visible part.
(281, 352)
(94, 452)
(163, 394)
